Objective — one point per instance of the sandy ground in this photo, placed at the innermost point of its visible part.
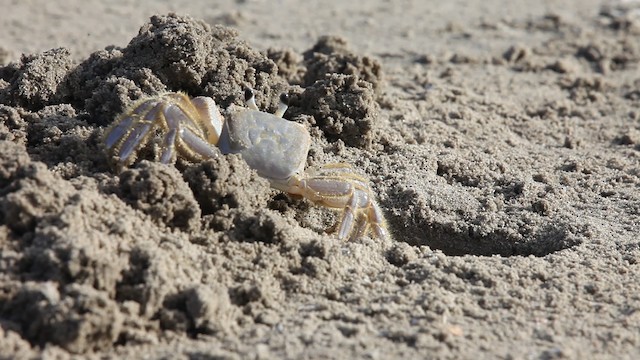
(502, 139)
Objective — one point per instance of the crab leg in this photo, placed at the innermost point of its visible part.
(198, 145)
(117, 132)
(169, 146)
(377, 221)
(361, 212)
(121, 127)
(342, 191)
(139, 134)
(172, 116)
(349, 213)
(135, 139)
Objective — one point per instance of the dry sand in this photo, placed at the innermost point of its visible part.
(502, 138)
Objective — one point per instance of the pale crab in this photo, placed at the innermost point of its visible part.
(275, 147)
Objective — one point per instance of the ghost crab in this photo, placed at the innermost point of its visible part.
(275, 147)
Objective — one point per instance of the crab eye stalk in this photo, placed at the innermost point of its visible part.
(283, 106)
(248, 93)
(284, 98)
(250, 98)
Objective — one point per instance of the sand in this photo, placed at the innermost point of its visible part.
(502, 139)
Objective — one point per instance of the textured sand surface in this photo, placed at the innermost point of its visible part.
(502, 139)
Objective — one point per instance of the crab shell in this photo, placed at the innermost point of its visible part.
(275, 147)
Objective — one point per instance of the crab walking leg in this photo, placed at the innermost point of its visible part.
(361, 226)
(172, 117)
(169, 141)
(122, 126)
(117, 132)
(358, 213)
(138, 136)
(198, 145)
(377, 221)
(169, 146)
(350, 212)
(341, 193)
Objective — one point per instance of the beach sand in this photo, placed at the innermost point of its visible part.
(501, 138)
